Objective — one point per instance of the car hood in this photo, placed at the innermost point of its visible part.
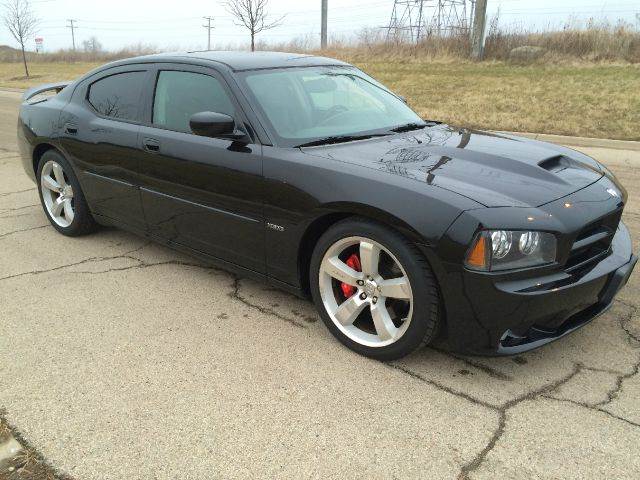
(493, 169)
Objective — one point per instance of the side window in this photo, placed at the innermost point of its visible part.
(118, 96)
(181, 94)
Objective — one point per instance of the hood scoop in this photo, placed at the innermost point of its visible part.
(571, 170)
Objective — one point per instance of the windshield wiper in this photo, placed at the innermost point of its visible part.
(407, 127)
(339, 139)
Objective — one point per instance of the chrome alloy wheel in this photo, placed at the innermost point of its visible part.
(372, 307)
(57, 194)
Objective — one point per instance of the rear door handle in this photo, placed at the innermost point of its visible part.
(70, 129)
(151, 145)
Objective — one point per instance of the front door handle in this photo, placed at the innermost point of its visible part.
(151, 145)
(70, 129)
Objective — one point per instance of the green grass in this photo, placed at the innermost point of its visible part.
(587, 100)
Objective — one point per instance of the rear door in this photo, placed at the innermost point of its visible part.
(100, 133)
(204, 193)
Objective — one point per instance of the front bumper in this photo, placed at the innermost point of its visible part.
(514, 316)
(512, 343)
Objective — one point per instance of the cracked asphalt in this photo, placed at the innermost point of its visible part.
(120, 358)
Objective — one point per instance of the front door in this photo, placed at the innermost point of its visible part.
(203, 193)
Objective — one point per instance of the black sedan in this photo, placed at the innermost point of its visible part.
(308, 173)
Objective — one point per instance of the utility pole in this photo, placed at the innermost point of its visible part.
(323, 26)
(209, 28)
(73, 32)
(479, 25)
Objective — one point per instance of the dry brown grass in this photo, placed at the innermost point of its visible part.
(27, 464)
(586, 85)
(12, 74)
(600, 101)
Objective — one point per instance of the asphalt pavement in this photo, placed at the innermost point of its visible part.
(120, 358)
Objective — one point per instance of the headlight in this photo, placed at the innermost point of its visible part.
(493, 250)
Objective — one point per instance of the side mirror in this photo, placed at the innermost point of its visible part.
(216, 125)
(404, 99)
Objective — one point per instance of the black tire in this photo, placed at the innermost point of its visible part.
(425, 322)
(83, 222)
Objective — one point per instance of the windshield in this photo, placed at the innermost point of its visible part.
(306, 104)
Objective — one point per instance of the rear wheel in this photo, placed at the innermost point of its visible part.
(374, 290)
(61, 196)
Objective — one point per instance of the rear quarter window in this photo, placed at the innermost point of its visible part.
(118, 96)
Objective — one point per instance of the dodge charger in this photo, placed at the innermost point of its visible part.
(309, 174)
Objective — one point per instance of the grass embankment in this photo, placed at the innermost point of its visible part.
(581, 99)
(12, 74)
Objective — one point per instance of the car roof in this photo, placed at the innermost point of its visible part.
(238, 61)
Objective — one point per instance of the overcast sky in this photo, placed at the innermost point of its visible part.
(178, 25)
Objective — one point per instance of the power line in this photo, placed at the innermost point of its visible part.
(209, 28)
(73, 32)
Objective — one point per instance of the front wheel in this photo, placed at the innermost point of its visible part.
(375, 291)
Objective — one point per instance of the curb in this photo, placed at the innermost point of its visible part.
(581, 141)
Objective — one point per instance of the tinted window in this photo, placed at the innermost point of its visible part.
(118, 96)
(181, 94)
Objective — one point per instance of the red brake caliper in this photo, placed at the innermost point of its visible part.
(354, 262)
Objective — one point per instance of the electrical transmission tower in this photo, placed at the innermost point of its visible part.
(452, 17)
(407, 20)
(412, 20)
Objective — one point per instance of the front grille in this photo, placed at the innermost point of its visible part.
(593, 242)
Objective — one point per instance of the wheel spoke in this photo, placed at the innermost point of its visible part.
(50, 183)
(395, 288)
(339, 270)
(59, 174)
(369, 258)
(68, 210)
(349, 310)
(385, 328)
(57, 207)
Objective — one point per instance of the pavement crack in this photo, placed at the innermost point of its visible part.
(441, 386)
(592, 407)
(6, 194)
(141, 265)
(491, 372)
(235, 294)
(81, 262)
(624, 319)
(501, 410)
(502, 421)
(7, 210)
(8, 234)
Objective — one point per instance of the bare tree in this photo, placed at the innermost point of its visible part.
(252, 15)
(92, 45)
(21, 22)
